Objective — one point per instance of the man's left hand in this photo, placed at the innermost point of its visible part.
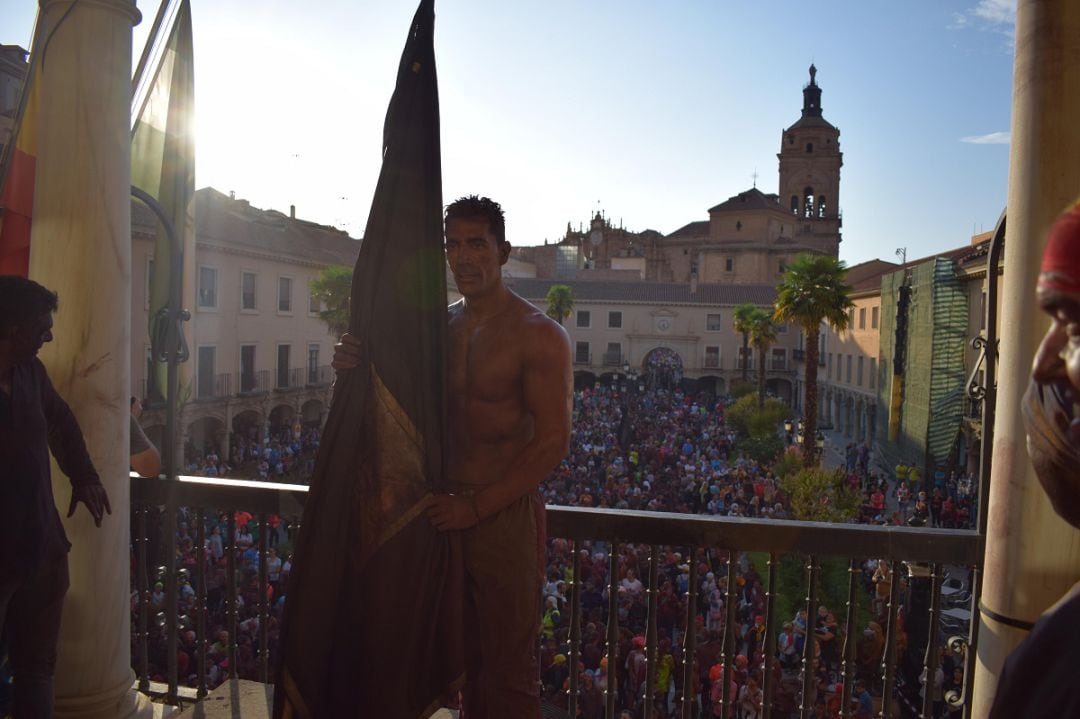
(94, 497)
(451, 511)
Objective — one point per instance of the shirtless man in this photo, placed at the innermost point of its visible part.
(509, 386)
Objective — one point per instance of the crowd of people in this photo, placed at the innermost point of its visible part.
(657, 450)
(285, 454)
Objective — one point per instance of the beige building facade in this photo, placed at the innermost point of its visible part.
(618, 329)
(259, 353)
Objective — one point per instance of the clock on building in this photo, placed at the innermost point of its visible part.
(663, 324)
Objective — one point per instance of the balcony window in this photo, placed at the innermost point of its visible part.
(712, 357)
(247, 368)
(614, 320)
(858, 377)
(862, 318)
(583, 319)
(247, 291)
(313, 363)
(613, 355)
(779, 359)
(283, 366)
(314, 306)
(581, 353)
(713, 323)
(207, 288)
(284, 301)
(873, 372)
(874, 318)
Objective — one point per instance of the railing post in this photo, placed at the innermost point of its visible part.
(650, 634)
(171, 595)
(230, 582)
(612, 688)
(143, 580)
(770, 639)
(729, 639)
(201, 639)
(264, 610)
(689, 698)
(806, 705)
(575, 629)
(889, 658)
(849, 639)
(930, 661)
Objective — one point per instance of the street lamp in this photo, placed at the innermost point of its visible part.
(820, 442)
(788, 426)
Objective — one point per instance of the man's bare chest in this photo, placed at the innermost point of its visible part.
(483, 363)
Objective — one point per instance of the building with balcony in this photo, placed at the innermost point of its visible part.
(13, 69)
(619, 328)
(260, 354)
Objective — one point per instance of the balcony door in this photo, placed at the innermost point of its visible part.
(205, 372)
(283, 366)
(247, 368)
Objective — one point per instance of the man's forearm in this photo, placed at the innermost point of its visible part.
(536, 461)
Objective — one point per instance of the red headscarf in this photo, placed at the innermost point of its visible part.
(1061, 258)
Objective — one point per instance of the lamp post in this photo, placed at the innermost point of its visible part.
(819, 442)
(788, 426)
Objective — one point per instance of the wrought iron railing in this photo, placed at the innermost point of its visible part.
(613, 359)
(921, 554)
(583, 358)
(214, 386)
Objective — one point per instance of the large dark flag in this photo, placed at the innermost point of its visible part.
(373, 614)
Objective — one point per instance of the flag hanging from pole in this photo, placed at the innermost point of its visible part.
(17, 183)
(163, 164)
(374, 611)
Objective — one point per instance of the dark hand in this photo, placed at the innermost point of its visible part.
(348, 353)
(451, 511)
(94, 497)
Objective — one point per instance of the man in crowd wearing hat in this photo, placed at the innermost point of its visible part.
(1039, 677)
(34, 419)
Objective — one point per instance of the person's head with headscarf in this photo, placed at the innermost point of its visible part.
(1052, 403)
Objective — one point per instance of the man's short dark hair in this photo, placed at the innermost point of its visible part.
(22, 300)
(484, 208)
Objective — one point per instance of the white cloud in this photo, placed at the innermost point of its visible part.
(998, 12)
(993, 138)
(996, 16)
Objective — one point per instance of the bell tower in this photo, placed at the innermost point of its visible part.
(810, 161)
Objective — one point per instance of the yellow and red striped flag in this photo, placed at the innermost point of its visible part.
(17, 180)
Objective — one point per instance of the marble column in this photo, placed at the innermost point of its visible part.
(1032, 556)
(81, 247)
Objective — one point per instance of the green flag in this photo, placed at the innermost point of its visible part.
(163, 164)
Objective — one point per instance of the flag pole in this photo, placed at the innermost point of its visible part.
(151, 40)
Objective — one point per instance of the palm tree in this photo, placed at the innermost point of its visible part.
(560, 299)
(762, 337)
(742, 317)
(333, 289)
(813, 291)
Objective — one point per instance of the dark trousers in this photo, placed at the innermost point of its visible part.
(30, 610)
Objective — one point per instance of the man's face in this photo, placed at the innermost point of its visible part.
(29, 337)
(1057, 360)
(474, 255)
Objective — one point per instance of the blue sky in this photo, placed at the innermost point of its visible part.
(652, 111)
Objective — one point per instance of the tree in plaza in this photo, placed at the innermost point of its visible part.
(813, 291)
(762, 337)
(741, 320)
(560, 300)
(333, 289)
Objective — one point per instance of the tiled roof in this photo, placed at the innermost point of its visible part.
(812, 121)
(867, 275)
(694, 229)
(233, 223)
(649, 292)
(752, 199)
